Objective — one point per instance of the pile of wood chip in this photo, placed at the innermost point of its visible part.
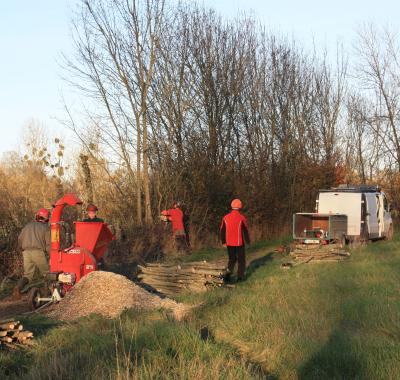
(173, 279)
(13, 335)
(303, 253)
(109, 294)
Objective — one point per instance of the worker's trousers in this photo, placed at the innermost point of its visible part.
(237, 254)
(34, 259)
(181, 242)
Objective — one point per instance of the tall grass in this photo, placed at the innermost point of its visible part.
(315, 321)
(322, 320)
(136, 346)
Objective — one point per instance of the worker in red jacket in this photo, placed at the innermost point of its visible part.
(91, 210)
(176, 217)
(234, 233)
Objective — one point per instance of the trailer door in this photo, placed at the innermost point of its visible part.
(343, 203)
(386, 216)
(372, 215)
(381, 217)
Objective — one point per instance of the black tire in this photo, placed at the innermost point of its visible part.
(33, 296)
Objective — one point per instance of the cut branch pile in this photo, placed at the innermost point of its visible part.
(303, 253)
(12, 334)
(173, 279)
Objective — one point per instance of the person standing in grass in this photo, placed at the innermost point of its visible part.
(176, 216)
(34, 240)
(234, 232)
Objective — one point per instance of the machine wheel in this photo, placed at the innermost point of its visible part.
(33, 298)
(389, 235)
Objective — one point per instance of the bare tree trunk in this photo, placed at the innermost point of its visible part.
(138, 172)
(146, 183)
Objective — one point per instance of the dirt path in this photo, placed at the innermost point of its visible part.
(10, 308)
(252, 257)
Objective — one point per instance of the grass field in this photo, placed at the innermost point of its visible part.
(315, 321)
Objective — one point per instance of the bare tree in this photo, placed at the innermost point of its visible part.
(189, 105)
(378, 72)
(117, 45)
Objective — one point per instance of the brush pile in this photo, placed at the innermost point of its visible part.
(12, 334)
(173, 279)
(303, 253)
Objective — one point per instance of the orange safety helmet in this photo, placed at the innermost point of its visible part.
(236, 204)
(42, 215)
(91, 207)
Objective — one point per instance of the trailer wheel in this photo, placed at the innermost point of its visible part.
(389, 235)
(33, 298)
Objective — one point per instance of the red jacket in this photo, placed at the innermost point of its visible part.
(175, 216)
(234, 229)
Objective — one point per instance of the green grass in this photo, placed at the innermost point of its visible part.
(145, 345)
(315, 321)
(322, 320)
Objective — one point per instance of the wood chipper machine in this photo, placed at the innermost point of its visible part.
(69, 265)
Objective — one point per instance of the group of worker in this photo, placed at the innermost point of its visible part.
(234, 234)
(35, 238)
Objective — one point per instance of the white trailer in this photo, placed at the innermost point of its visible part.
(366, 207)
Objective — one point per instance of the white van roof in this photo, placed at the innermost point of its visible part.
(353, 189)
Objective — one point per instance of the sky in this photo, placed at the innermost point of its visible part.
(34, 35)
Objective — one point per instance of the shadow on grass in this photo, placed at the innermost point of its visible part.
(128, 270)
(151, 289)
(38, 324)
(336, 360)
(256, 368)
(257, 263)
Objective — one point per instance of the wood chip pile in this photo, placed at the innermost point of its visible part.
(173, 279)
(302, 253)
(13, 335)
(109, 294)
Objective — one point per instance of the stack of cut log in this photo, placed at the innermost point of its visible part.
(172, 279)
(12, 334)
(303, 253)
(328, 252)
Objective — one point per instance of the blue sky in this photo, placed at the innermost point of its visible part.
(33, 34)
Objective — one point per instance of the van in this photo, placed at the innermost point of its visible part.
(366, 207)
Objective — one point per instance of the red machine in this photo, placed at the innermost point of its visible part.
(68, 266)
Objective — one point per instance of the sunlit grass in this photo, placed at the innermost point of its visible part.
(314, 321)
